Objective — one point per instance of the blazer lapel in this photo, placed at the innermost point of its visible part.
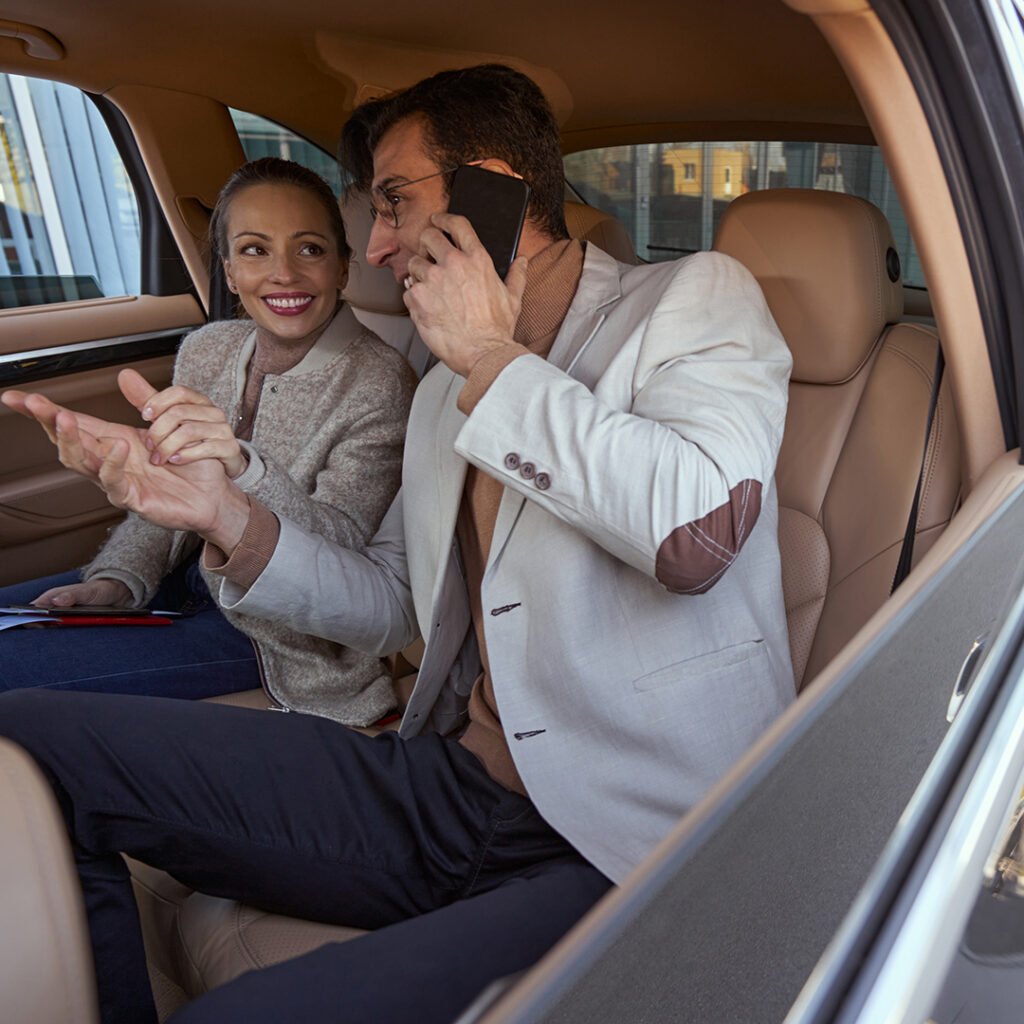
(599, 287)
(574, 350)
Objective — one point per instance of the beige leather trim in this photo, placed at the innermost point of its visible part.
(32, 327)
(223, 939)
(254, 699)
(372, 289)
(806, 565)
(589, 224)
(822, 260)
(813, 7)
(190, 147)
(50, 518)
(892, 107)
(817, 424)
(378, 65)
(46, 974)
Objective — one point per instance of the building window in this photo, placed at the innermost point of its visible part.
(262, 137)
(670, 210)
(69, 220)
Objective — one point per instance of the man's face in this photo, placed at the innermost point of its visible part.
(401, 157)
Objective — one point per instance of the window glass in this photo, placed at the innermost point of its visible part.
(671, 195)
(260, 137)
(69, 221)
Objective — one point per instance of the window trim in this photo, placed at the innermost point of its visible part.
(162, 269)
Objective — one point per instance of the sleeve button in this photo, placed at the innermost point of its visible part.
(527, 470)
(543, 481)
(511, 461)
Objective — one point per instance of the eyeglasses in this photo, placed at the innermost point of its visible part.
(384, 201)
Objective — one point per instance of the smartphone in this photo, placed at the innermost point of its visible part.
(495, 204)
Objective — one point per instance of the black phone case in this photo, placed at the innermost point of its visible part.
(495, 204)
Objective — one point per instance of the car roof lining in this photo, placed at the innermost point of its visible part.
(778, 69)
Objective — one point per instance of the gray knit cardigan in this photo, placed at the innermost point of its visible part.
(326, 452)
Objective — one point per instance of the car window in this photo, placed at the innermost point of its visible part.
(671, 195)
(262, 137)
(69, 220)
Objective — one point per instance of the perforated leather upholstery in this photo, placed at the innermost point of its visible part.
(858, 406)
(46, 974)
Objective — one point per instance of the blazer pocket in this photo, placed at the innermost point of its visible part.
(706, 667)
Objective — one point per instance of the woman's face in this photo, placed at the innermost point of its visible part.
(283, 260)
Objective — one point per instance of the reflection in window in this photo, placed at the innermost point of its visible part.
(69, 222)
(261, 137)
(670, 196)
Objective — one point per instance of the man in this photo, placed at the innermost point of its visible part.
(585, 540)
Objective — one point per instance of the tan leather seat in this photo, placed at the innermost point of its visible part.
(373, 293)
(858, 402)
(46, 973)
(589, 224)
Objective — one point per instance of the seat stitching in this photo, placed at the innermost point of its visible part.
(255, 960)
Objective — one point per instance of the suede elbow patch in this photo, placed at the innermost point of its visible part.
(693, 557)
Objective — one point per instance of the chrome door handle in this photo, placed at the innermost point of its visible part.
(965, 676)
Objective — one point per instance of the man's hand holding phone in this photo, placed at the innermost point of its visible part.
(460, 306)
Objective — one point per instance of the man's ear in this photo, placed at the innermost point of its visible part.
(498, 166)
(232, 287)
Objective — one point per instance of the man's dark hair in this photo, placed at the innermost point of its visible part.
(471, 114)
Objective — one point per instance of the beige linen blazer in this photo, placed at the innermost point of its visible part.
(632, 598)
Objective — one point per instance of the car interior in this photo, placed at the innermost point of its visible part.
(862, 446)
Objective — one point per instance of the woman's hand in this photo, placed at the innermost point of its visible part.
(51, 417)
(197, 497)
(109, 593)
(185, 426)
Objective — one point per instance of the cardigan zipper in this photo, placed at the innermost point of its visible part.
(275, 704)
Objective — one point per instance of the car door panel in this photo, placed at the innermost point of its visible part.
(50, 518)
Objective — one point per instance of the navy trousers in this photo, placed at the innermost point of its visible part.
(198, 656)
(459, 880)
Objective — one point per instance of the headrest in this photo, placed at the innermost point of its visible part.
(589, 224)
(828, 267)
(369, 288)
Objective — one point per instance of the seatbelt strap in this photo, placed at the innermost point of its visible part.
(907, 552)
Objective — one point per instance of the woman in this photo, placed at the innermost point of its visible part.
(306, 410)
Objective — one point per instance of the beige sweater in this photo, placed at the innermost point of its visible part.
(326, 453)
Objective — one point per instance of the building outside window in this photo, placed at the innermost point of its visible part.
(69, 222)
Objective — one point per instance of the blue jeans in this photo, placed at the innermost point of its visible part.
(199, 655)
(459, 880)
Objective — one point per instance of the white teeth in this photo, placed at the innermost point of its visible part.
(287, 303)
